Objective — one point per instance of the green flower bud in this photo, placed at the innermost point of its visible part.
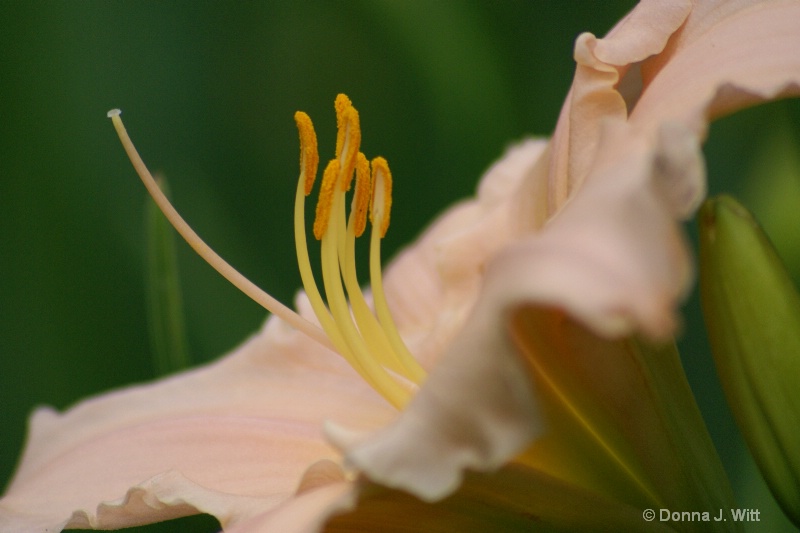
(752, 312)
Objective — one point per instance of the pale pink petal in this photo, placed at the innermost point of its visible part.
(305, 513)
(595, 98)
(447, 261)
(448, 267)
(477, 410)
(643, 32)
(742, 59)
(705, 14)
(613, 257)
(240, 432)
(722, 58)
(466, 416)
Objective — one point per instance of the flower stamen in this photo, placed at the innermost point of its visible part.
(381, 353)
(380, 209)
(367, 340)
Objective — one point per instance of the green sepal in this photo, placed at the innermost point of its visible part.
(752, 313)
(165, 305)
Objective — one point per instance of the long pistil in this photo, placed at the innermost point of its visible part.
(203, 250)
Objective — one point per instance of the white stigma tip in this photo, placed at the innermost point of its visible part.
(114, 113)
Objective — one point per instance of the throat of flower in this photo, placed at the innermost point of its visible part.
(368, 340)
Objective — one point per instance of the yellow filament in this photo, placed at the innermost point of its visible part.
(369, 327)
(381, 205)
(412, 368)
(380, 208)
(309, 155)
(394, 392)
(310, 285)
(212, 258)
(365, 348)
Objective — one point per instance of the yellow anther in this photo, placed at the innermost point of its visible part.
(325, 202)
(362, 195)
(350, 132)
(341, 104)
(381, 206)
(309, 156)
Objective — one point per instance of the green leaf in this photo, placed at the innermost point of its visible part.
(752, 312)
(165, 307)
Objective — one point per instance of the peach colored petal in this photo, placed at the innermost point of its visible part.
(725, 56)
(643, 32)
(740, 60)
(306, 513)
(453, 256)
(476, 409)
(447, 261)
(240, 431)
(613, 257)
(594, 96)
(705, 14)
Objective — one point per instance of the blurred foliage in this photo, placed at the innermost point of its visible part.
(167, 325)
(208, 90)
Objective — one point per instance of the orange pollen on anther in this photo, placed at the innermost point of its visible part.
(325, 201)
(350, 131)
(363, 194)
(381, 205)
(341, 104)
(309, 156)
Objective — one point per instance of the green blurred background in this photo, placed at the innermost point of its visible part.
(208, 90)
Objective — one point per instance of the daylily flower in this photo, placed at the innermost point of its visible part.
(533, 312)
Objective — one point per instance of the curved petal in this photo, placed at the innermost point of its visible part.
(238, 431)
(323, 493)
(447, 260)
(629, 266)
(613, 257)
(475, 411)
(602, 259)
(705, 14)
(460, 429)
(595, 97)
(739, 60)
